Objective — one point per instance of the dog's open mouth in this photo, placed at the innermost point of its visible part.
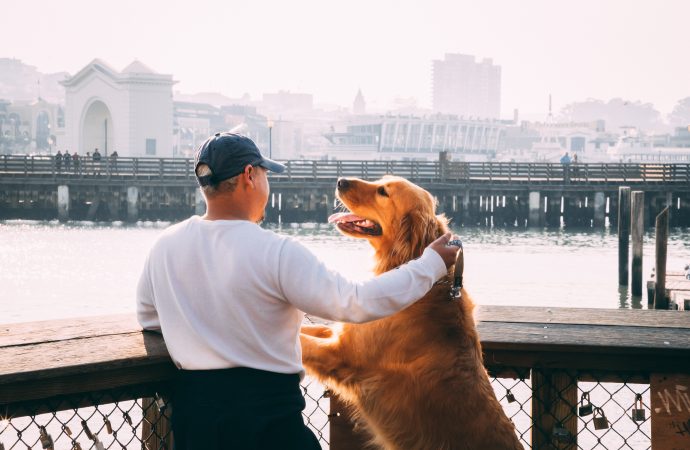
(353, 224)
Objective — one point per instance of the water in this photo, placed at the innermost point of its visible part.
(50, 270)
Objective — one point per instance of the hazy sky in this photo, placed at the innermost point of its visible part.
(635, 49)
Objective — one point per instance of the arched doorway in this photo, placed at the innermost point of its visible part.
(97, 129)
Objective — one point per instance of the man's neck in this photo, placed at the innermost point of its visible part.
(227, 209)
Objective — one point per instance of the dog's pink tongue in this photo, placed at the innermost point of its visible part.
(343, 217)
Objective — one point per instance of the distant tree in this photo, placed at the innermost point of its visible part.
(680, 116)
(617, 113)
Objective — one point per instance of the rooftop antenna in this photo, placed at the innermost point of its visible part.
(550, 113)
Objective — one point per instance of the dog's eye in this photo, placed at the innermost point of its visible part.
(381, 191)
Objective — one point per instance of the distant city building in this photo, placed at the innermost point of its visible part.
(548, 141)
(31, 126)
(359, 106)
(22, 82)
(681, 137)
(416, 138)
(467, 88)
(129, 111)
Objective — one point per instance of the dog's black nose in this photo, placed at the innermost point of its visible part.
(343, 184)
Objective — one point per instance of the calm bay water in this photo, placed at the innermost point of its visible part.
(51, 270)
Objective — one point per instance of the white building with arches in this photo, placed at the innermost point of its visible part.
(130, 112)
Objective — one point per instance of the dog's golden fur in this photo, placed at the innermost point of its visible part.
(416, 379)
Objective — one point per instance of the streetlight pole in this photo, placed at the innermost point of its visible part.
(105, 146)
(270, 143)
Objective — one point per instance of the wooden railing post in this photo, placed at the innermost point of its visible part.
(554, 401)
(156, 429)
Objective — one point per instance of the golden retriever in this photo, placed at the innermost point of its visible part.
(415, 379)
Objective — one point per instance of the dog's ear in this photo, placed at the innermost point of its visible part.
(417, 230)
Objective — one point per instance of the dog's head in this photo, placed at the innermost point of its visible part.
(396, 217)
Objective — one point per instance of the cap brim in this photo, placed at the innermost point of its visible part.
(272, 165)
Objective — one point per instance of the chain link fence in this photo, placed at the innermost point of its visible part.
(571, 410)
(577, 409)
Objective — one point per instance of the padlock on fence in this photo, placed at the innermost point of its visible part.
(98, 444)
(108, 425)
(45, 438)
(67, 430)
(88, 432)
(560, 434)
(510, 397)
(586, 407)
(600, 421)
(76, 445)
(160, 403)
(638, 412)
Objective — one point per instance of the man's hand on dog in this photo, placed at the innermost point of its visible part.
(448, 252)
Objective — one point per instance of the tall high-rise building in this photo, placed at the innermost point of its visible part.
(467, 87)
(359, 106)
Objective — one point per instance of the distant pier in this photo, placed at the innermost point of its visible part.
(471, 194)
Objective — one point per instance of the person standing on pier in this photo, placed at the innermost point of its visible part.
(96, 161)
(68, 160)
(227, 294)
(58, 161)
(565, 160)
(75, 160)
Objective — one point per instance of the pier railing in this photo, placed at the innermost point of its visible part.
(568, 378)
(182, 170)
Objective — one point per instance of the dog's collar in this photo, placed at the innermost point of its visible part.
(456, 289)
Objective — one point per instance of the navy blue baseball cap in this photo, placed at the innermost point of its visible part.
(227, 154)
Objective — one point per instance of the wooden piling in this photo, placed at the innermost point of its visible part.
(623, 234)
(637, 227)
(660, 300)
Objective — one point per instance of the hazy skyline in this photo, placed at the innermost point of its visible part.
(637, 50)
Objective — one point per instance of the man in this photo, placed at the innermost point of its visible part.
(227, 295)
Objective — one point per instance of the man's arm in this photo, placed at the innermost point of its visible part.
(146, 308)
(313, 288)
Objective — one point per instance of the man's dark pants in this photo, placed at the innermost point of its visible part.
(239, 408)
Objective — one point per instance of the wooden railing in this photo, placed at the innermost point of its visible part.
(542, 360)
(181, 170)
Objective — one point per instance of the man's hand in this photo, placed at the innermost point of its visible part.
(447, 253)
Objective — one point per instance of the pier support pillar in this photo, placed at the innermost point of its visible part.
(132, 203)
(535, 210)
(63, 202)
(637, 231)
(599, 209)
(465, 212)
(199, 203)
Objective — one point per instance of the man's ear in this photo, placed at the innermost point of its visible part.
(248, 170)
